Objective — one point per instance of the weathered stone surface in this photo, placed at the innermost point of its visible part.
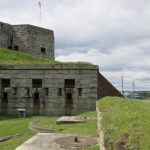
(100, 130)
(21, 93)
(27, 38)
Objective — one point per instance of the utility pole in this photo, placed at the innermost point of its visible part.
(133, 89)
(122, 83)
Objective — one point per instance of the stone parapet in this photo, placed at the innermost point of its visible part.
(51, 67)
(28, 38)
(100, 130)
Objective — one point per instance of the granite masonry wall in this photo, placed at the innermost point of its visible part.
(27, 38)
(5, 35)
(57, 89)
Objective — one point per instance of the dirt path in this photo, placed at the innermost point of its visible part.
(33, 126)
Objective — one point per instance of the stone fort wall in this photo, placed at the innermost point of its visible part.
(5, 35)
(27, 38)
(48, 90)
(65, 89)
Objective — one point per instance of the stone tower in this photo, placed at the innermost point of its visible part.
(27, 38)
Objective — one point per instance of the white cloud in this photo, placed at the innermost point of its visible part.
(129, 60)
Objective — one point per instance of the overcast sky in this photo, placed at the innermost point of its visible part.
(114, 34)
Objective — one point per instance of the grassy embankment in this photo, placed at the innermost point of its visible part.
(10, 125)
(126, 123)
(9, 57)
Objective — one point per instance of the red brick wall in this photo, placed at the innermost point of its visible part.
(105, 88)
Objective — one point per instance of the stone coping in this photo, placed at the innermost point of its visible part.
(51, 67)
(100, 129)
(28, 26)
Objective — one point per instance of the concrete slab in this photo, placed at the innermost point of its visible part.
(56, 141)
(41, 141)
(72, 119)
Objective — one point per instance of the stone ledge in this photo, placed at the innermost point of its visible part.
(50, 67)
(100, 130)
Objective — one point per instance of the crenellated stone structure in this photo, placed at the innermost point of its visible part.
(27, 38)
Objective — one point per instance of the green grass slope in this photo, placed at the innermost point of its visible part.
(9, 57)
(126, 123)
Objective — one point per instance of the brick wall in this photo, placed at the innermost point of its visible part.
(105, 88)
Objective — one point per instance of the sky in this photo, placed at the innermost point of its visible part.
(113, 34)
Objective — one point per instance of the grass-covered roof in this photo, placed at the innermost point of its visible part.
(9, 57)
